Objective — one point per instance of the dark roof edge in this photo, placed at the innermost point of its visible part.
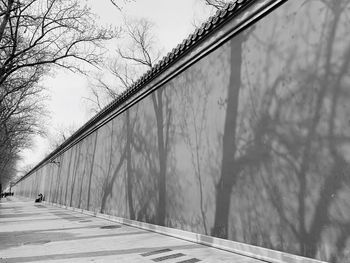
(221, 17)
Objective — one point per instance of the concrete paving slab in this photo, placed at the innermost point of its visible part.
(32, 232)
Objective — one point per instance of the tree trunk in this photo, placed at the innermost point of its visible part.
(109, 188)
(75, 168)
(307, 249)
(104, 199)
(128, 166)
(50, 195)
(58, 179)
(91, 171)
(333, 183)
(158, 108)
(229, 171)
(5, 18)
(68, 173)
(105, 185)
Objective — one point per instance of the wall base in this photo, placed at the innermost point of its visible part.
(264, 254)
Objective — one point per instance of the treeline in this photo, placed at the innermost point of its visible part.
(35, 37)
(38, 36)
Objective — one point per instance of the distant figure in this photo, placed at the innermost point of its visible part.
(6, 194)
(39, 199)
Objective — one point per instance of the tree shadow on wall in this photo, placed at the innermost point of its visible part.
(112, 175)
(296, 148)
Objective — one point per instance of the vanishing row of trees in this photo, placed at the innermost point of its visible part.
(37, 36)
(280, 164)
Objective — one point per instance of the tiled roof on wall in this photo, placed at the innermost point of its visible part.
(208, 27)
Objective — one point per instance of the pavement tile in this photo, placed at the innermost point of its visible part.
(32, 232)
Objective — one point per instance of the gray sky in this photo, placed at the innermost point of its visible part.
(173, 21)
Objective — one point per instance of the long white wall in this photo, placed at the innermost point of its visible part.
(251, 143)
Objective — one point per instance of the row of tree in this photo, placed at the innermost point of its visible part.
(281, 164)
(37, 36)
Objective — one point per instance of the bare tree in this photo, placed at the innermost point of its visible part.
(20, 117)
(193, 121)
(59, 135)
(36, 35)
(90, 170)
(138, 55)
(143, 54)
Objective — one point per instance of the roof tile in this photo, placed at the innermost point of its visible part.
(206, 28)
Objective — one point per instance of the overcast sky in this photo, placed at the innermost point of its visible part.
(173, 21)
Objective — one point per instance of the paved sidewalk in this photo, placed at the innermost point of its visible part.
(32, 232)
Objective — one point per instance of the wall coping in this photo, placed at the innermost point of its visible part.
(226, 23)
